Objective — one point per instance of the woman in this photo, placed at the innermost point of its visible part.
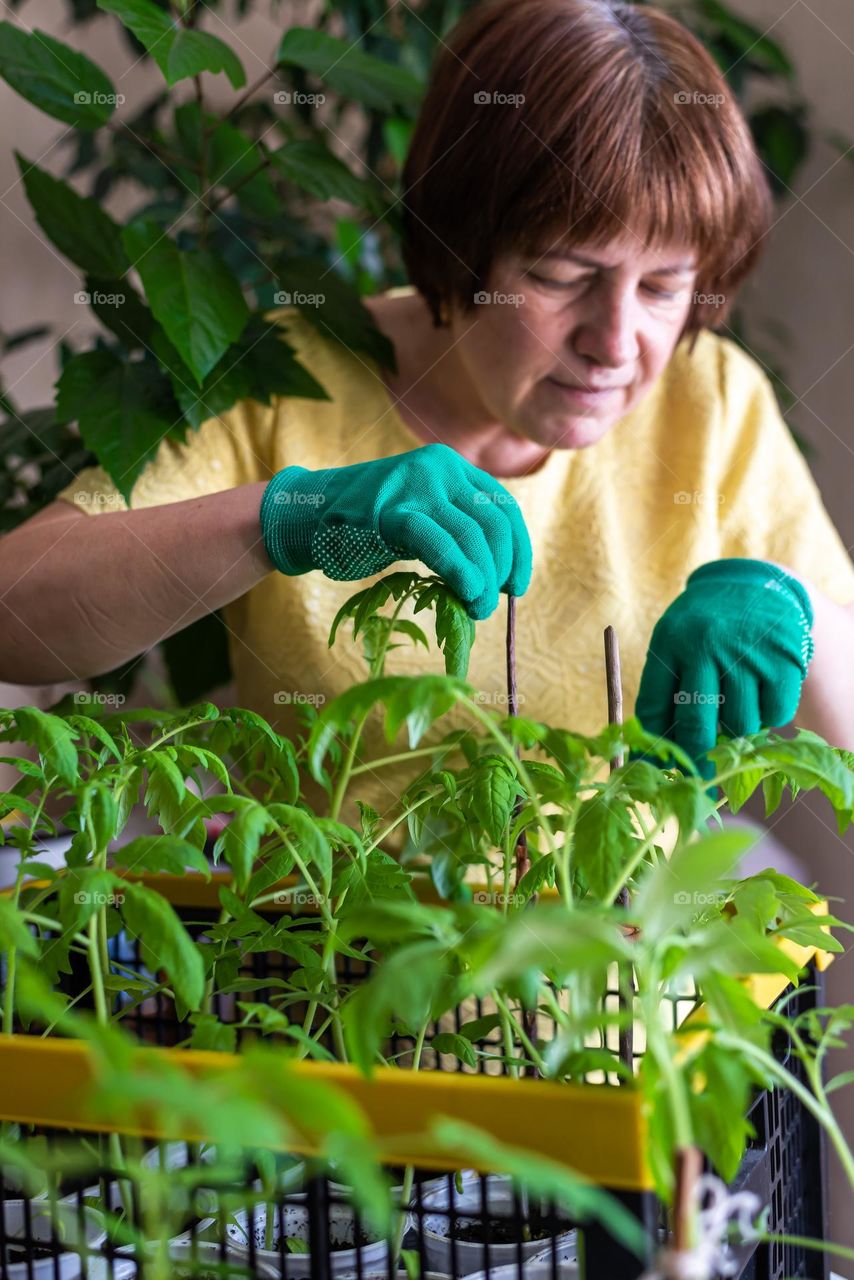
(582, 202)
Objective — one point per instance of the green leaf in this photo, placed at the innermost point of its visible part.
(479, 1028)
(15, 935)
(121, 310)
(748, 39)
(349, 71)
(604, 841)
(179, 52)
(402, 990)
(210, 1033)
(192, 293)
(312, 845)
(384, 879)
(53, 738)
(689, 881)
(98, 811)
(418, 699)
(722, 1131)
(85, 890)
(123, 409)
(239, 842)
(149, 917)
(195, 51)
(455, 632)
(457, 1045)
(782, 139)
(312, 166)
(161, 853)
(258, 366)
(85, 724)
(77, 225)
(493, 792)
(55, 78)
(230, 158)
(334, 307)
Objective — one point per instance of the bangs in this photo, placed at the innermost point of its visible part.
(622, 124)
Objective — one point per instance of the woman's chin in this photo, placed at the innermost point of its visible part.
(580, 432)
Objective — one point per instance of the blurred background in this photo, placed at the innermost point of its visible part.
(792, 64)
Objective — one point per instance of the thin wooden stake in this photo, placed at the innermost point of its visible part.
(523, 861)
(689, 1167)
(614, 685)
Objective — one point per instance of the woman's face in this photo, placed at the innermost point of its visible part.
(566, 343)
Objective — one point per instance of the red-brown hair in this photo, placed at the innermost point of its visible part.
(626, 121)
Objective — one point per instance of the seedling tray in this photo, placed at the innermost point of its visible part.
(597, 1128)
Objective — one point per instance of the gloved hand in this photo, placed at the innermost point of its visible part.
(429, 504)
(734, 647)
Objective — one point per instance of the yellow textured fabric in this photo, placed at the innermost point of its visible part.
(704, 467)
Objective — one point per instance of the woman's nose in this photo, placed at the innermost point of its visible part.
(607, 333)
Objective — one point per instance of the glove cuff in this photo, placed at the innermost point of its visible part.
(290, 510)
(767, 575)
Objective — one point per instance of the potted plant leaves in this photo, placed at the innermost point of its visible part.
(371, 965)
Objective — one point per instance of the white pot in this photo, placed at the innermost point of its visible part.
(175, 1154)
(532, 1269)
(292, 1219)
(45, 1226)
(383, 1275)
(473, 1257)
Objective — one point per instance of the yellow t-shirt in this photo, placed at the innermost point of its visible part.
(703, 467)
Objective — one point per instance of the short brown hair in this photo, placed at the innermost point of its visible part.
(626, 120)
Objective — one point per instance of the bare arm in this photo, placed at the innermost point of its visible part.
(827, 696)
(81, 594)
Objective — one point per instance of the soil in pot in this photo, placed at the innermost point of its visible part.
(504, 1230)
(34, 1253)
(296, 1244)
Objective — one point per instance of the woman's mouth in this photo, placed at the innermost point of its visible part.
(584, 397)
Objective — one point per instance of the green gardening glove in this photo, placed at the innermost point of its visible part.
(429, 504)
(729, 655)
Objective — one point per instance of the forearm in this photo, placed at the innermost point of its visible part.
(827, 697)
(79, 598)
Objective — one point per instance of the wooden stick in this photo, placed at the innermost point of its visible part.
(614, 685)
(523, 861)
(689, 1167)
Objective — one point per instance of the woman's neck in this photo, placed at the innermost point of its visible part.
(433, 396)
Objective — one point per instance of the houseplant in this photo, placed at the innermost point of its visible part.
(587, 838)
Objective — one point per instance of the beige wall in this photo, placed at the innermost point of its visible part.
(806, 280)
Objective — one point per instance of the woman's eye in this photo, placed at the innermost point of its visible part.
(557, 284)
(667, 294)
